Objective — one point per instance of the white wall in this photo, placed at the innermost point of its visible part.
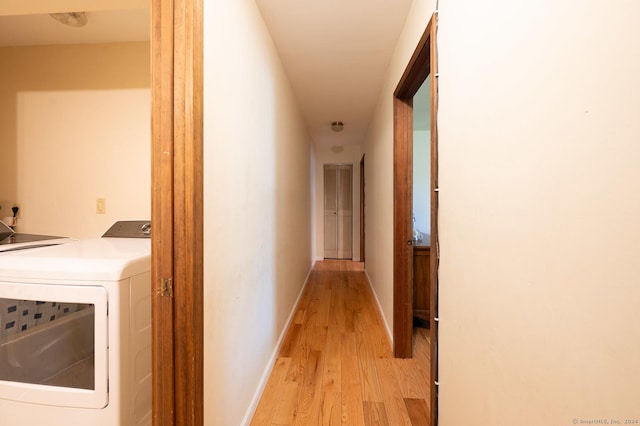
(257, 205)
(75, 127)
(378, 148)
(539, 212)
(329, 155)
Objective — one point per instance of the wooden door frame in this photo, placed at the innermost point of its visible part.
(422, 63)
(176, 212)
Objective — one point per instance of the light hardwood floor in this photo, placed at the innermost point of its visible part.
(336, 366)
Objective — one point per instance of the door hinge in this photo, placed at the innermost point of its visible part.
(167, 287)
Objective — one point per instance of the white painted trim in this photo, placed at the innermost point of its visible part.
(251, 410)
(384, 319)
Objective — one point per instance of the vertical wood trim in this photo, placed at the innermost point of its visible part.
(177, 248)
(162, 208)
(435, 246)
(188, 218)
(402, 227)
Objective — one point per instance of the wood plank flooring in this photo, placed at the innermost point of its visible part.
(336, 366)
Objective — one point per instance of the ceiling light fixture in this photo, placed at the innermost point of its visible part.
(337, 126)
(71, 19)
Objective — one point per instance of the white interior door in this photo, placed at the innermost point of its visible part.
(338, 211)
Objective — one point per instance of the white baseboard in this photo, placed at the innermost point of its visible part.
(272, 360)
(384, 319)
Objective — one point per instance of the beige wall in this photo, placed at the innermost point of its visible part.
(378, 149)
(257, 200)
(327, 155)
(75, 126)
(539, 208)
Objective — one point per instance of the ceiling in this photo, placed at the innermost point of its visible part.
(335, 52)
(24, 23)
(41, 29)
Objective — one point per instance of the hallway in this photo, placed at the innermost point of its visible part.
(336, 366)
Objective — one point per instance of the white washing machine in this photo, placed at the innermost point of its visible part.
(75, 331)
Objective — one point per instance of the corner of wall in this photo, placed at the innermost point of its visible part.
(387, 327)
(262, 384)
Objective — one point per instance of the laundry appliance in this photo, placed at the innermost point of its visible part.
(75, 331)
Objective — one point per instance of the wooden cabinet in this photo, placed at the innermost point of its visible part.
(421, 280)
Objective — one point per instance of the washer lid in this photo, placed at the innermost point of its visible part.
(100, 259)
(29, 241)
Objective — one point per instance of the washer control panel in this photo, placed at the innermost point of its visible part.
(129, 229)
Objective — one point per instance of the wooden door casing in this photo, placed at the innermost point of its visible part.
(176, 212)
